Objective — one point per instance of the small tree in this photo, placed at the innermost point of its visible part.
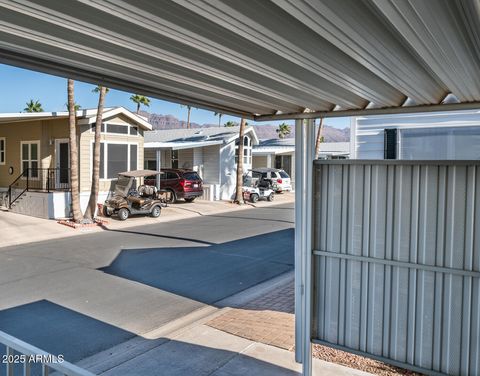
(72, 123)
(139, 100)
(320, 139)
(239, 185)
(230, 124)
(284, 130)
(33, 106)
(92, 201)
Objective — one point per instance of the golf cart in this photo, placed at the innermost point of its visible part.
(256, 186)
(127, 200)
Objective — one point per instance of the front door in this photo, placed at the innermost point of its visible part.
(62, 153)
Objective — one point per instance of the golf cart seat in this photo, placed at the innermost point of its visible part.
(136, 200)
(147, 190)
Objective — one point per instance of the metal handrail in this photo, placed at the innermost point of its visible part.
(48, 361)
(39, 180)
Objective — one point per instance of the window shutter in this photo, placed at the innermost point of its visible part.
(390, 144)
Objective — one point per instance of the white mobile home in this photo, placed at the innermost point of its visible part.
(209, 151)
(431, 136)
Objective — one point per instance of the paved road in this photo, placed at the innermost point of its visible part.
(81, 295)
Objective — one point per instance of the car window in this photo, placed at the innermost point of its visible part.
(191, 175)
(172, 175)
(283, 174)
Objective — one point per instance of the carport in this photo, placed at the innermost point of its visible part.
(273, 60)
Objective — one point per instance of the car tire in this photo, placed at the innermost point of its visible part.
(123, 214)
(105, 212)
(190, 199)
(270, 197)
(173, 197)
(254, 198)
(156, 210)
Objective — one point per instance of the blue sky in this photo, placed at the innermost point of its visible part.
(18, 86)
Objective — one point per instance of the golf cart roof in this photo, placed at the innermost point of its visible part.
(140, 173)
(264, 169)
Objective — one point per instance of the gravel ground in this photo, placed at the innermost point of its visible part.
(359, 362)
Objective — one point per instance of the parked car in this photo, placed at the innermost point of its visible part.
(281, 181)
(182, 183)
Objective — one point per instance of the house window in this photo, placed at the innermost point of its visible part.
(30, 152)
(117, 128)
(284, 162)
(151, 164)
(133, 157)
(133, 130)
(116, 158)
(102, 128)
(390, 144)
(3, 145)
(174, 158)
(247, 150)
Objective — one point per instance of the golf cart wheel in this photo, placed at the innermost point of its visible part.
(270, 197)
(155, 213)
(173, 198)
(105, 212)
(190, 199)
(254, 198)
(123, 214)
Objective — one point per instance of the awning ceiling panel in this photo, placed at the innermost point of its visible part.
(260, 59)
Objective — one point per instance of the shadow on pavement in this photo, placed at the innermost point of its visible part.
(62, 331)
(208, 274)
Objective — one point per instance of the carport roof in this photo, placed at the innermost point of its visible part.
(259, 59)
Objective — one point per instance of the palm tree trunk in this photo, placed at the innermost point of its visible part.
(219, 120)
(72, 122)
(138, 107)
(188, 117)
(239, 191)
(92, 202)
(319, 139)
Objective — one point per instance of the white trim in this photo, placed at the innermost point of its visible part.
(4, 151)
(38, 160)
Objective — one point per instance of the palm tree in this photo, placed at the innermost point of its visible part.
(92, 201)
(72, 123)
(139, 100)
(230, 124)
(189, 109)
(219, 114)
(320, 139)
(75, 106)
(284, 130)
(239, 191)
(33, 106)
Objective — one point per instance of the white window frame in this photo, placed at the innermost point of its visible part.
(247, 149)
(105, 156)
(29, 160)
(105, 132)
(4, 151)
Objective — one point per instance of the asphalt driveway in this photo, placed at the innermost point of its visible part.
(80, 295)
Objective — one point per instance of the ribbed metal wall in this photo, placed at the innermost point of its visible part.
(397, 261)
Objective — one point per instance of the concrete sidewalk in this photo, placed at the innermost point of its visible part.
(191, 346)
(21, 229)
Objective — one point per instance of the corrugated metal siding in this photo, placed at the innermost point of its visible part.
(397, 261)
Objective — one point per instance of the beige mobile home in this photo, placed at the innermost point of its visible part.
(34, 157)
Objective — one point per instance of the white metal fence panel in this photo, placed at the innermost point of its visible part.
(397, 262)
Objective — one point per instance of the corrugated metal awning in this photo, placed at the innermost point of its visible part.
(258, 59)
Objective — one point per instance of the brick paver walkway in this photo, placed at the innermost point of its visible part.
(267, 319)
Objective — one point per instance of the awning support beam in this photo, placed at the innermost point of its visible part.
(372, 111)
(304, 156)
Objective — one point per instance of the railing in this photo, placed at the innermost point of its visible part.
(19, 352)
(39, 180)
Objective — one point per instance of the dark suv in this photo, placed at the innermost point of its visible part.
(182, 183)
